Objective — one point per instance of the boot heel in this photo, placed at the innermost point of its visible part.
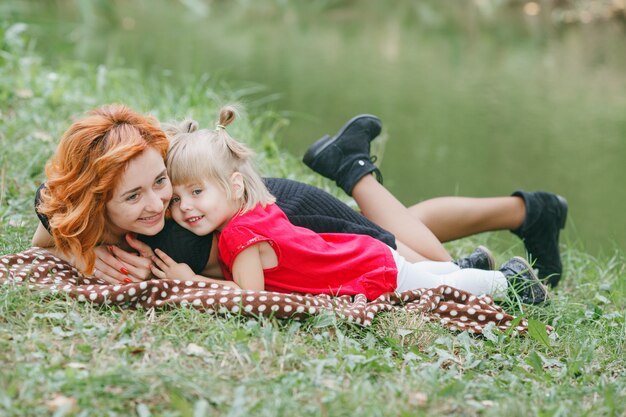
(316, 149)
(564, 208)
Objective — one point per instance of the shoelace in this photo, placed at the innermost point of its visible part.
(377, 173)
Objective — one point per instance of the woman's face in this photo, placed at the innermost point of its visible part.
(141, 196)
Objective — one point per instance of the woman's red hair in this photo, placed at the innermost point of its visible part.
(83, 173)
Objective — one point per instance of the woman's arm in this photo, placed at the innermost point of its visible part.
(113, 265)
(42, 238)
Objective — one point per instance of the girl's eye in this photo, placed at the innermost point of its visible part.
(175, 200)
(196, 191)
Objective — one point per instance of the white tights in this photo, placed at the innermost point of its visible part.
(430, 274)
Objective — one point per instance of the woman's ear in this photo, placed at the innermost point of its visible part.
(237, 185)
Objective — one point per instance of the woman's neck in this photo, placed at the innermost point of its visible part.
(115, 236)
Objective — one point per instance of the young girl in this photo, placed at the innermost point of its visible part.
(216, 188)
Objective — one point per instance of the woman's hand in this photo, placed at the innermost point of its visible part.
(115, 265)
(108, 268)
(138, 266)
(166, 268)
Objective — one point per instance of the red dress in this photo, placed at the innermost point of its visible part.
(308, 262)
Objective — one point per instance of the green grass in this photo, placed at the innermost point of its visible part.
(109, 361)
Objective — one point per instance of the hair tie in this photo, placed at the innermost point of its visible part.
(220, 127)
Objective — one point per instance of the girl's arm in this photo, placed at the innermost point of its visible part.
(248, 269)
(167, 268)
(212, 267)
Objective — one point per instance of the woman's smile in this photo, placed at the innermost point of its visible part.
(152, 220)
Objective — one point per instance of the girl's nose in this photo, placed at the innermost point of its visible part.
(184, 204)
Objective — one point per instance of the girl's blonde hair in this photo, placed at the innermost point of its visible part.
(200, 155)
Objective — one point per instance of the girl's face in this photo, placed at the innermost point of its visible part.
(141, 196)
(203, 207)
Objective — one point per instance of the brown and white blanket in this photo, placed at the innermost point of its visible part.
(453, 308)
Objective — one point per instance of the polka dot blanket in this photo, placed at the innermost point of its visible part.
(453, 308)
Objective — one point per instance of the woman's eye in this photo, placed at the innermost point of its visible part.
(161, 181)
(132, 197)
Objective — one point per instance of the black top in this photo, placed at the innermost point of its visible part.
(304, 205)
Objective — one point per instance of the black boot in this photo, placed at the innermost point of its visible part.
(345, 158)
(546, 214)
(523, 282)
(481, 258)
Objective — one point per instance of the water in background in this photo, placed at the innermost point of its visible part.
(478, 98)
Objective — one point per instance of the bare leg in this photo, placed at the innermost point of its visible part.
(422, 227)
(381, 207)
(451, 218)
(409, 254)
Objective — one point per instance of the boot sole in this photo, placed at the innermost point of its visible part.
(563, 207)
(554, 279)
(321, 144)
(492, 260)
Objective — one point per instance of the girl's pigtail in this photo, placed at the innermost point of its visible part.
(241, 160)
(228, 114)
(174, 129)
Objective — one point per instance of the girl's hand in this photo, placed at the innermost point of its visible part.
(167, 268)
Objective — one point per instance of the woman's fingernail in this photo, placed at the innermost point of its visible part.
(128, 280)
(110, 248)
(124, 271)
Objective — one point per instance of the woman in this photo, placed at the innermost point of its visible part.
(107, 178)
(105, 185)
